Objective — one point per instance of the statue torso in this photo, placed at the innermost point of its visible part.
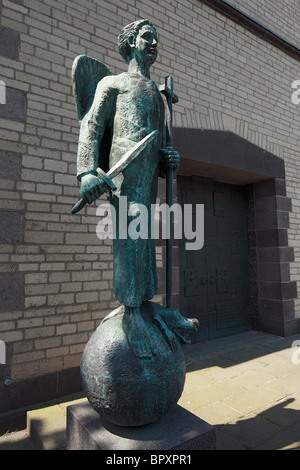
(139, 110)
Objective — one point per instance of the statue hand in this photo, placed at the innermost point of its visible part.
(169, 158)
(92, 188)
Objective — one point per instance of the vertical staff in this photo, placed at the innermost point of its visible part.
(167, 90)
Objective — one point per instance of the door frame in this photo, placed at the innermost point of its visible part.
(226, 157)
(215, 282)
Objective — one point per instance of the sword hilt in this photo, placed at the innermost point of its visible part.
(78, 206)
(106, 179)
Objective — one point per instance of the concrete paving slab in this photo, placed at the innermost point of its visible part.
(218, 412)
(250, 430)
(285, 413)
(248, 401)
(226, 442)
(286, 384)
(287, 438)
(252, 379)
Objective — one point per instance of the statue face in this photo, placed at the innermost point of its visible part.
(145, 49)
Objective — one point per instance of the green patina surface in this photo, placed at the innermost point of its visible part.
(133, 367)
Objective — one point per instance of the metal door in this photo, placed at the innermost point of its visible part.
(214, 281)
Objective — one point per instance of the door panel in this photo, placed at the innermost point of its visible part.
(214, 281)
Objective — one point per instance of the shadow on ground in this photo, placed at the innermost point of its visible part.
(236, 349)
(276, 428)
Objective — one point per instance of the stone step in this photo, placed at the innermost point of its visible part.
(17, 440)
(46, 426)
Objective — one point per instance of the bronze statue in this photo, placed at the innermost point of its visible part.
(117, 112)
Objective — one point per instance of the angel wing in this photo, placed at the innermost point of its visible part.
(86, 74)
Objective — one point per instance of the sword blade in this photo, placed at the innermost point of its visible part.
(127, 158)
(130, 155)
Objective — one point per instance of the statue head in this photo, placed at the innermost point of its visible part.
(128, 36)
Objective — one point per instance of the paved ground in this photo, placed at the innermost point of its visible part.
(247, 386)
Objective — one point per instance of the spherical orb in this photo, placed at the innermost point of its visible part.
(124, 389)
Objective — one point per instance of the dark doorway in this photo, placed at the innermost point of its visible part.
(227, 157)
(214, 281)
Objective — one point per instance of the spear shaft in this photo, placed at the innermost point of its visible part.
(167, 90)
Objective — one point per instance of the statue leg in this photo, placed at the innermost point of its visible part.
(167, 333)
(137, 333)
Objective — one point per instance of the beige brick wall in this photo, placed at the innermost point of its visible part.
(226, 79)
(282, 17)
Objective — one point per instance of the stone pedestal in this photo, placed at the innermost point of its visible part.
(177, 430)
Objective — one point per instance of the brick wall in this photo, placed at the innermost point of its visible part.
(281, 17)
(56, 276)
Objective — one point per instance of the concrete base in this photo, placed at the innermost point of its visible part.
(177, 430)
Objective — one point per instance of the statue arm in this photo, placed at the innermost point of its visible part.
(93, 127)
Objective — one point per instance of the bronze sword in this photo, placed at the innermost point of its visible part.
(127, 158)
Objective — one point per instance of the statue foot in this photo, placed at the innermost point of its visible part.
(137, 334)
(171, 322)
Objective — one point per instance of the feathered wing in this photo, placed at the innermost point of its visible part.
(86, 74)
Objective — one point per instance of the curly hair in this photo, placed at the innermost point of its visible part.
(131, 30)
